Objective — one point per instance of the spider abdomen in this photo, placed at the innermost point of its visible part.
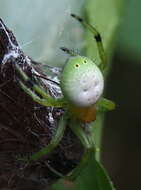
(81, 82)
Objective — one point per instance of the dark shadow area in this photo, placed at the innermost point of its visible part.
(122, 132)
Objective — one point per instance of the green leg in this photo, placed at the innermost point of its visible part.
(104, 104)
(86, 138)
(54, 142)
(83, 163)
(98, 39)
(46, 100)
(69, 51)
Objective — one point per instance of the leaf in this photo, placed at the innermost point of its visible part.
(105, 16)
(94, 177)
(130, 38)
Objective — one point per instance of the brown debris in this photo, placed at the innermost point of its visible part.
(26, 127)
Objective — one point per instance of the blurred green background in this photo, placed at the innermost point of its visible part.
(43, 26)
(122, 132)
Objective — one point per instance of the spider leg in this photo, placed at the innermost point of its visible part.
(104, 104)
(82, 164)
(46, 99)
(86, 138)
(69, 51)
(54, 142)
(98, 39)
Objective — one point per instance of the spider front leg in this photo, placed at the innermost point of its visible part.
(98, 39)
(69, 51)
(104, 104)
(45, 100)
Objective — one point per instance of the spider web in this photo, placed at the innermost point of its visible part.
(47, 28)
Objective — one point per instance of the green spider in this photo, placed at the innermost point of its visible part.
(82, 84)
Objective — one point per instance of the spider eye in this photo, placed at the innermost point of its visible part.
(77, 65)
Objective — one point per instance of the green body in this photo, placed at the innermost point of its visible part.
(81, 81)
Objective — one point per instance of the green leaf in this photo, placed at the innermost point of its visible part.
(105, 16)
(130, 38)
(94, 177)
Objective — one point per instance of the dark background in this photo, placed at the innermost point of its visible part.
(122, 132)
